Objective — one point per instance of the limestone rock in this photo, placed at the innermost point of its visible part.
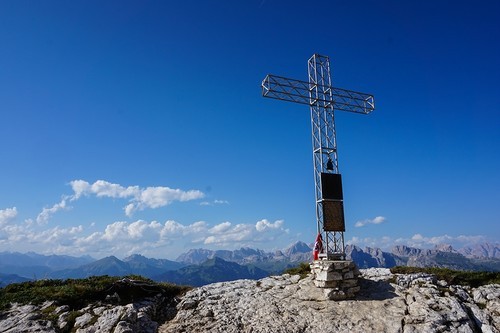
(376, 274)
(140, 317)
(488, 299)
(407, 280)
(278, 304)
(415, 303)
(24, 318)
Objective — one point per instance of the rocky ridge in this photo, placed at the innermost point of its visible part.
(134, 317)
(110, 315)
(386, 303)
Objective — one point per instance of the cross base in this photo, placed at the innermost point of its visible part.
(337, 278)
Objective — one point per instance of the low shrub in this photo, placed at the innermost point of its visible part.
(468, 278)
(303, 270)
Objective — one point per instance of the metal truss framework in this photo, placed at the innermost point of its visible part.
(322, 99)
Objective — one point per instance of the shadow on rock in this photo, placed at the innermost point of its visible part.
(375, 290)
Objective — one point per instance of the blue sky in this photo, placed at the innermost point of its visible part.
(139, 126)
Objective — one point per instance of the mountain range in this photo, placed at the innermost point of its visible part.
(201, 266)
(35, 266)
(135, 264)
(212, 270)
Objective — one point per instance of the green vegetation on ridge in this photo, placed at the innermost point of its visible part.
(303, 270)
(468, 278)
(77, 293)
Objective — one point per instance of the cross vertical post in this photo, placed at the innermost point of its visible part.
(324, 144)
(323, 99)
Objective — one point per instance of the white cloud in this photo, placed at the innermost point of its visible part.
(125, 231)
(240, 233)
(417, 237)
(155, 197)
(262, 225)
(129, 209)
(376, 220)
(102, 188)
(118, 238)
(418, 240)
(470, 239)
(173, 230)
(262, 231)
(7, 215)
(27, 237)
(139, 198)
(141, 236)
(215, 202)
(44, 216)
(220, 228)
(382, 242)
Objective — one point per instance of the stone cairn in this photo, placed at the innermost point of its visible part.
(337, 278)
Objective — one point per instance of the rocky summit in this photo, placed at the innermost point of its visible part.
(386, 303)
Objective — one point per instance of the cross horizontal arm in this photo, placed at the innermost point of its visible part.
(297, 91)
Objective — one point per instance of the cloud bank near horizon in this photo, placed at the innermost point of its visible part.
(418, 241)
(170, 238)
(126, 238)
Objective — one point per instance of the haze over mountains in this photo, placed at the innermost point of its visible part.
(201, 266)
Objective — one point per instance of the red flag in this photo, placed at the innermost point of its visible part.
(318, 247)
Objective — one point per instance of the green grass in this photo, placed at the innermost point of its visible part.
(303, 270)
(77, 293)
(468, 278)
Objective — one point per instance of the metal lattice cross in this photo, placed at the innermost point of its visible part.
(323, 100)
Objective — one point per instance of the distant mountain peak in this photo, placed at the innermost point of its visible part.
(134, 256)
(195, 256)
(482, 250)
(445, 248)
(297, 247)
(215, 261)
(212, 270)
(110, 258)
(405, 251)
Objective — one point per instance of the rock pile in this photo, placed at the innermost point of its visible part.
(337, 278)
(385, 303)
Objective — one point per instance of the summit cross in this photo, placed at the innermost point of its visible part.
(323, 99)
